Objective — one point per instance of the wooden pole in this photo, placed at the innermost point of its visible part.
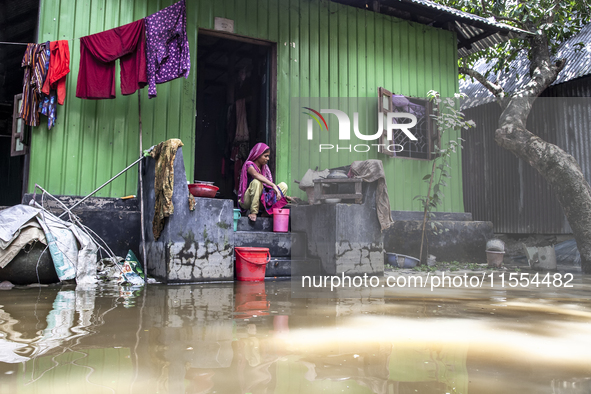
(141, 168)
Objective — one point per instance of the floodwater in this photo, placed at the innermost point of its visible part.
(256, 338)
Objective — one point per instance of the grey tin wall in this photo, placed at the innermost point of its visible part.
(506, 190)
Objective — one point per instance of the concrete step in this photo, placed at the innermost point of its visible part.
(261, 224)
(279, 244)
(282, 266)
(418, 215)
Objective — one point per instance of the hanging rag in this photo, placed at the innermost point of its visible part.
(371, 171)
(33, 61)
(167, 50)
(98, 52)
(54, 87)
(164, 155)
(40, 78)
(47, 107)
(238, 156)
(59, 67)
(41, 66)
(242, 134)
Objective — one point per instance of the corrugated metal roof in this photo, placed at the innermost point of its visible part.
(578, 64)
(484, 32)
(465, 15)
(471, 26)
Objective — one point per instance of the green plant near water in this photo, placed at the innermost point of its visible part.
(425, 268)
(447, 118)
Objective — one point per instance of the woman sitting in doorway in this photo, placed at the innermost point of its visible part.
(256, 184)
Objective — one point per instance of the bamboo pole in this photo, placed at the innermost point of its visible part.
(141, 167)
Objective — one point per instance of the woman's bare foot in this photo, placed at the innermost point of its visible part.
(253, 217)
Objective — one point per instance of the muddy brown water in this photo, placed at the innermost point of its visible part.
(257, 338)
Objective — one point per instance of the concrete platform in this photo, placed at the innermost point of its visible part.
(346, 238)
(418, 215)
(465, 241)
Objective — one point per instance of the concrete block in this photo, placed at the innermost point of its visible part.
(194, 246)
(345, 237)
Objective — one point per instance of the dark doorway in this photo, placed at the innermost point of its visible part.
(235, 76)
(18, 26)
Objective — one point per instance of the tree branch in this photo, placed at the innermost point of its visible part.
(495, 89)
(543, 70)
(499, 17)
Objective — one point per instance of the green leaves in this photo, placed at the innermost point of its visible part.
(557, 20)
(448, 117)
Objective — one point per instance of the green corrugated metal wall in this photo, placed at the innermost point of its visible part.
(324, 50)
(94, 140)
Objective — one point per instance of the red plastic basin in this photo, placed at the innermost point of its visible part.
(203, 190)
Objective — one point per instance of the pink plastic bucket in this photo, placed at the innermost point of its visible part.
(281, 220)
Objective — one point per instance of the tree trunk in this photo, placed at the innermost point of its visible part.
(562, 172)
(559, 168)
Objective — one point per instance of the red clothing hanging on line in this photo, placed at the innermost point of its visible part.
(98, 52)
(59, 67)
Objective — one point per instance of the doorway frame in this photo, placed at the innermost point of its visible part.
(272, 83)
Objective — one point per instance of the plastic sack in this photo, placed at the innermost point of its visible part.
(132, 271)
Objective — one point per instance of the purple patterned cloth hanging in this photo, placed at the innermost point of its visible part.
(48, 102)
(167, 47)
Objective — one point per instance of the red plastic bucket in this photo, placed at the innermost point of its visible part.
(251, 263)
(281, 220)
(250, 300)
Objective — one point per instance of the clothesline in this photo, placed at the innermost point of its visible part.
(151, 51)
(13, 43)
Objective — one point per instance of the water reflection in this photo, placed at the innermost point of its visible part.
(67, 321)
(254, 338)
